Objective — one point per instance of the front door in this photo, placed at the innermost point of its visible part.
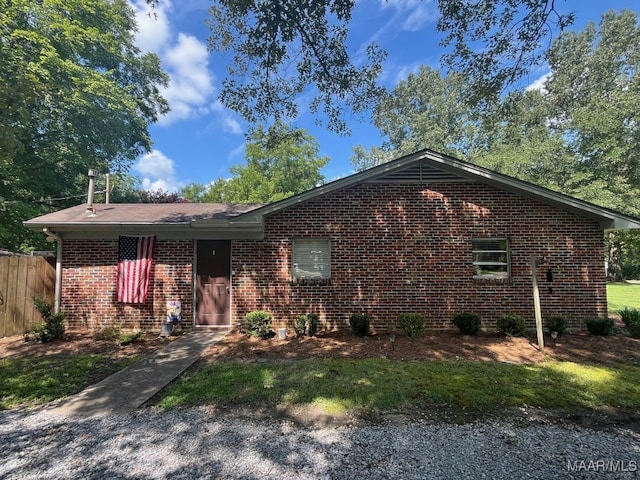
(213, 283)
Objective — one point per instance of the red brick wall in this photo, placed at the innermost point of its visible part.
(89, 285)
(407, 248)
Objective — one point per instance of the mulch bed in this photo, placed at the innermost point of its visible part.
(580, 347)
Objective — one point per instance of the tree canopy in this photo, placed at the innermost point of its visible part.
(75, 93)
(280, 162)
(282, 49)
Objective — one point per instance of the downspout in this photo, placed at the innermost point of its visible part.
(54, 237)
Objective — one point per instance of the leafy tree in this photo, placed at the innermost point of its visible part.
(280, 163)
(496, 43)
(160, 196)
(75, 93)
(594, 96)
(519, 141)
(284, 48)
(427, 110)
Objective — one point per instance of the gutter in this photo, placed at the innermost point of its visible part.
(54, 237)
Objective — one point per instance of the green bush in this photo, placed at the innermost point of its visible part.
(52, 328)
(600, 326)
(111, 333)
(313, 322)
(258, 323)
(556, 324)
(360, 323)
(307, 324)
(412, 324)
(129, 337)
(468, 322)
(300, 326)
(631, 319)
(512, 325)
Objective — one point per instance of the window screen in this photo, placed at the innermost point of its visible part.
(311, 259)
(491, 258)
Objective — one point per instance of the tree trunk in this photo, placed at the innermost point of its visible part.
(614, 265)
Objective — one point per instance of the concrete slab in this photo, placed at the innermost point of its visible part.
(128, 389)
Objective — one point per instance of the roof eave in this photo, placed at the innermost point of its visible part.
(195, 230)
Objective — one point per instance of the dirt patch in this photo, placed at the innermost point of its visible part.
(486, 347)
(80, 343)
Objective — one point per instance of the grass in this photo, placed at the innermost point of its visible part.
(33, 381)
(621, 295)
(342, 385)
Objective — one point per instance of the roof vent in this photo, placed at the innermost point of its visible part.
(92, 180)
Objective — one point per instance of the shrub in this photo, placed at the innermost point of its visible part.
(512, 325)
(307, 325)
(600, 326)
(130, 337)
(258, 324)
(300, 326)
(114, 333)
(111, 333)
(360, 323)
(467, 322)
(412, 324)
(631, 319)
(52, 328)
(556, 324)
(313, 321)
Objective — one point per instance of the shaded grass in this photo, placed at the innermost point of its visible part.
(33, 381)
(621, 295)
(343, 385)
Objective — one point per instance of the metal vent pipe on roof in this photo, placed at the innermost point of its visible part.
(92, 180)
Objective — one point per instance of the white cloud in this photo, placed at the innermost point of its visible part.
(231, 125)
(153, 26)
(539, 83)
(414, 14)
(184, 57)
(157, 171)
(190, 93)
(237, 152)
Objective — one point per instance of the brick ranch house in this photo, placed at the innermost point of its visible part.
(424, 233)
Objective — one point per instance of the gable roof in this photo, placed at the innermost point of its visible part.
(236, 221)
(427, 166)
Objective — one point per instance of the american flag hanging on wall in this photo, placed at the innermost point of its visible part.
(135, 261)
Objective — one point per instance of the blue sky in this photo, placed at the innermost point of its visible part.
(200, 139)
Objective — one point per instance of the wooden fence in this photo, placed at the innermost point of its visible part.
(21, 279)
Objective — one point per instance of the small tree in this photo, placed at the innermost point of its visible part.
(52, 328)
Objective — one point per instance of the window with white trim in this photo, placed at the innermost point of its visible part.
(491, 259)
(311, 259)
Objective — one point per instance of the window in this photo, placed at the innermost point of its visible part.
(311, 259)
(491, 259)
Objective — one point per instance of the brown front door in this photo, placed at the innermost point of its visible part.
(213, 274)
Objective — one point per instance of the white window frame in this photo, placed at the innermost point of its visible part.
(484, 266)
(311, 259)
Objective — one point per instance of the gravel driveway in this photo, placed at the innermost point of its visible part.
(194, 443)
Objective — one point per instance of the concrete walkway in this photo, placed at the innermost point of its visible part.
(128, 389)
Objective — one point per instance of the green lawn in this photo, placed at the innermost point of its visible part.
(621, 295)
(344, 385)
(33, 381)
